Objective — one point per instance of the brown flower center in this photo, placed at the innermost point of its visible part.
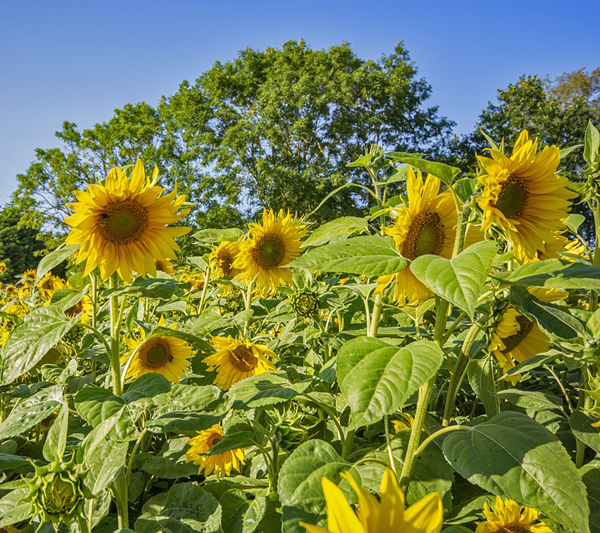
(155, 353)
(512, 198)
(214, 439)
(516, 528)
(514, 340)
(426, 235)
(268, 252)
(75, 310)
(225, 262)
(123, 222)
(243, 359)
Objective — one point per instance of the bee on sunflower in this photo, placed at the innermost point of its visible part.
(237, 360)
(270, 246)
(221, 463)
(162, 354)
(386, 515)
(426, 225)
(507, 515)
(121, 224)
(523, 195)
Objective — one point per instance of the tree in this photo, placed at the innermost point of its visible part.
(20, 247)
(269, 129)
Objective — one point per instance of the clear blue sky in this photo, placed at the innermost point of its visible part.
(79, 60)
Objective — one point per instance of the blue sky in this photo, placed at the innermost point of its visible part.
(78, 60)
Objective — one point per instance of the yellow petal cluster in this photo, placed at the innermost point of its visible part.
(221, 463)
(507, 515)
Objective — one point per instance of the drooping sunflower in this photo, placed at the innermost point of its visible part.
(121, 225)
(237, 360)
(221, 463)
(386, 515)
(164, 355)
(427, 225)
(517, 338)
(222, 259)
(523, 195)
(508, 516)
(270, 246)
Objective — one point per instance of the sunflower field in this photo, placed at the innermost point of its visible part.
(432, 366)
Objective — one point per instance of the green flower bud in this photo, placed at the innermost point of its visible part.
(305, 303)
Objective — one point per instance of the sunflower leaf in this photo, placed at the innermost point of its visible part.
(370, 256)
(343, 226)
(458, 280)
(263, 389)
(515, 457)
(581, 425)
(554, 274)
(444, 172)
(299, 484)
(376, 378)
(53, 259)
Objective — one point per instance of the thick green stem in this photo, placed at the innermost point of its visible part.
(115, 362)
(375, 316)
(458, 373)
(596, 254)
(388, 444)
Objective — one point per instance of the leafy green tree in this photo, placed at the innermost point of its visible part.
(268, 129)
(20, 247)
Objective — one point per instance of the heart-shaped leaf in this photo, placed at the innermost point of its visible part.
(376, 378)
(457, 280)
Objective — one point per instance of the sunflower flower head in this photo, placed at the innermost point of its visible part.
(121, 224)
(426, 225)
(507, 516)
(220, 463)
(523, 196)
(386, 515)
(49, 284)
(237, 360)
(165, 265)
(162, 354)
(221, 260)
(263, 257)
(28, 278)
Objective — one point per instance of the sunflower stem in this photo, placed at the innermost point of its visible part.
(375, 316)
(435, 435)
(388, 443)
(115, 319)
(460, 368)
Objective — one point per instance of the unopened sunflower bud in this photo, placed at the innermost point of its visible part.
(305, 303)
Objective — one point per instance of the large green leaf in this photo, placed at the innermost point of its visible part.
(42, 329)
(210, 236)
(299, 484)
(265, 389)
(592, 143)
(458, 280)
(376, 378)
(555, 274)
(515, 457)
(162, 288)
(13, 509)
(53, 259)
(56, 440)
(444, 172)
(31, 411)
(343, 226)
(185, 508)
(581, 425)
(552, 318)
(371, 256)
(590, 474)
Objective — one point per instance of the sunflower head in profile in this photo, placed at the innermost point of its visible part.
(523, 196)
(270, 246)
(237, 360)
(121, 225)
(28, 278)
(517, 338)
(164, 355)
(426, 225)
(508, 516)
(165, 265)
(82, 306)
(222, 259)
(384, 515)
(220, 463)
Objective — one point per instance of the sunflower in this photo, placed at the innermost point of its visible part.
(82, 306)
(49, 284)
(386, 515)
(517, 338)
(221, 260)
(507, 516)
(164, 265)
(220, 463)
(523, 196)
(561, 245)
(164, 355)
(121, 224)
(427, 225)
(195, 281)
(407, 423)
(237, 360)
(2, 267)
(270, 246)
(28, 278)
